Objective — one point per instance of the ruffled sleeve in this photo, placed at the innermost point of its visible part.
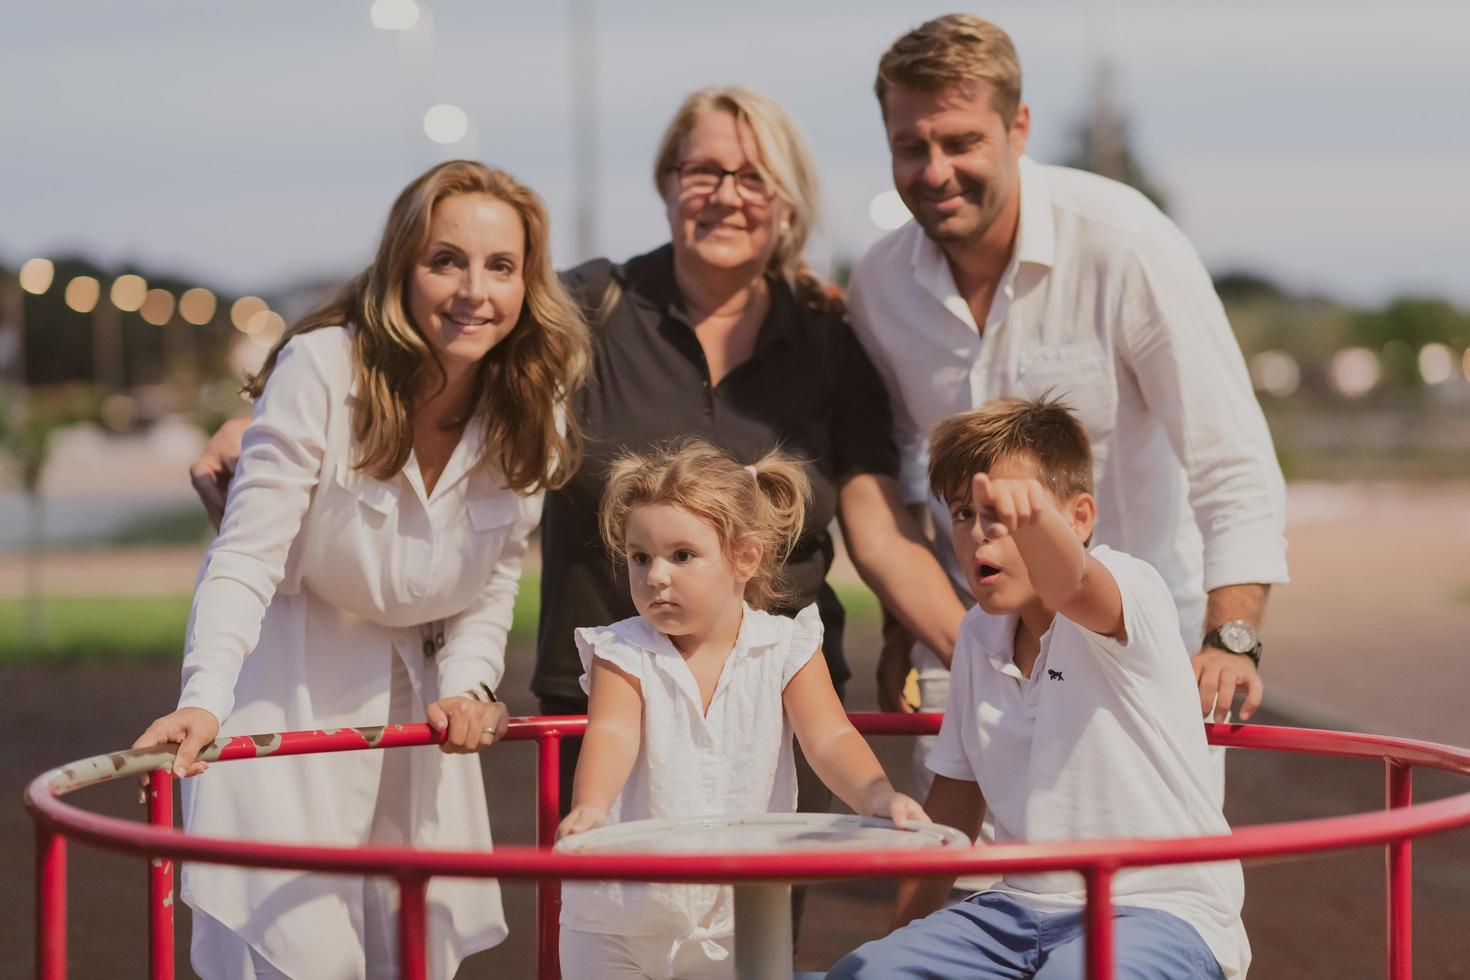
(604, 642)
(805, 639)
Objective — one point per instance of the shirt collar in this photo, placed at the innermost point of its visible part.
(1035, 241)
(659, 291)
(995, 636)
(758, 630)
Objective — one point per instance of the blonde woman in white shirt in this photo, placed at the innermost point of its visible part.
(365, 573)
(693, 702)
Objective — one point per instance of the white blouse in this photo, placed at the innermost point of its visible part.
(735, 760)
(320, 578)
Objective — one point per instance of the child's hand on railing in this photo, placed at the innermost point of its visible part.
(901, 809)
(584, 817)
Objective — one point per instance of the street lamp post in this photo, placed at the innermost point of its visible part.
(36, 277)
(582, 56)
(127, 295)
(13, 321)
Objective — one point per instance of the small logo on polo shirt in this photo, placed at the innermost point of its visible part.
(1055, 675)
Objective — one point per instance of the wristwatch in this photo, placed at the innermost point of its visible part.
(1237, 637)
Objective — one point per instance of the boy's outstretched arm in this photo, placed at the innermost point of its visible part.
(956, 803)
(840, 756)
(1066, 578)
(609, 747)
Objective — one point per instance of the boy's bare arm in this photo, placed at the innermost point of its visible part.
(1066, 578)
(956, 803)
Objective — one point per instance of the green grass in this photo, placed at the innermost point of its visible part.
(111, 628)
(183, 525)
(152, 629)
(863, 611)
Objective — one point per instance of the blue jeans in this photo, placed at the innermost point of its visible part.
(991, 937)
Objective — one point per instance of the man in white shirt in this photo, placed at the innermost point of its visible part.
(1022, 279)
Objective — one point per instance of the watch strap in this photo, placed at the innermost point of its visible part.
(1212, 640)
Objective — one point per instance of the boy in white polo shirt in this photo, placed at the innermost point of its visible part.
(1072, 715)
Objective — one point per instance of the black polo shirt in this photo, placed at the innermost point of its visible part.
(808, 388)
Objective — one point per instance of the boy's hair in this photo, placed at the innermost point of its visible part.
(766, 501)
(1043, 430)
(952, 50)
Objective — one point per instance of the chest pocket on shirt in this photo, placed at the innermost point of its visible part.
(1078, 374)
(378, 498)
(490, 519)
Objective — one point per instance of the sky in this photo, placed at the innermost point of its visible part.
(253, 146)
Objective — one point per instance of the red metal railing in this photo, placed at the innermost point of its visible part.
(1097, 861)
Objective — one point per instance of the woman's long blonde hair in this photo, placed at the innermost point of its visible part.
(524, 383)
(781, 157)
(766, 501)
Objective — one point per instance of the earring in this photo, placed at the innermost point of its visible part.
(785, 226)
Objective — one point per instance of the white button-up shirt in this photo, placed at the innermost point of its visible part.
(1106, 304)
(320, 577)
(734, 760)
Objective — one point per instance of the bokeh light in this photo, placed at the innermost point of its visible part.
(118, 412)
(265, 327)
(82, 294)
(394, 15)
(158, 307)
(197, 306)
(888, 211)
(445, 123)
(1436, 364)
(128, 292)
(36, 275)
(243, 309)
(1355, 371)
(1276, 372)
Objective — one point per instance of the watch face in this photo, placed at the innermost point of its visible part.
(1238, 637)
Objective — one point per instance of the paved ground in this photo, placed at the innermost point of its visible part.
(1370, 636)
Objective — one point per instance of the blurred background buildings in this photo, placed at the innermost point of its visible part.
(180, 183)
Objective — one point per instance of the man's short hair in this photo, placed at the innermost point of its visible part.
(1044, 431)
(951, 50)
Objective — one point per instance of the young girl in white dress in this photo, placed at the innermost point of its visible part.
(693, 702)
(365, 572)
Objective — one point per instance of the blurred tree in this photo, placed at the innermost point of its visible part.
(1404, 326)
(1240, 286)
(1100, 143)
(1416, 321)
(26, 428)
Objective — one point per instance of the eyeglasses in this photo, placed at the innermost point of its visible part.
(703, 177)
